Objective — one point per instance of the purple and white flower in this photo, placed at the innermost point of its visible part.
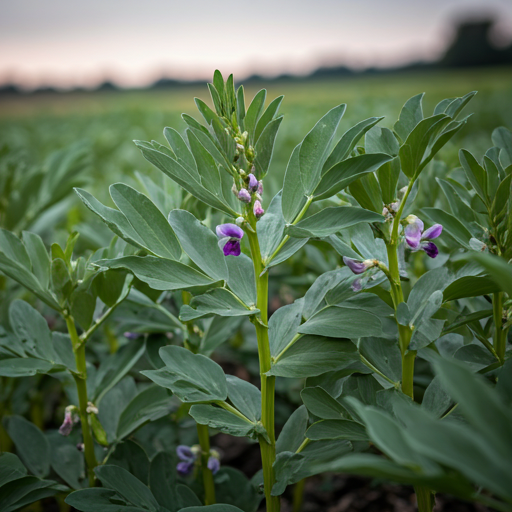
(70, 418)
(253, 183)
(418, 239)
(358, 267)
(230, 236)
(244, 196)
(213, 464)
(258, 210)
(187, 458)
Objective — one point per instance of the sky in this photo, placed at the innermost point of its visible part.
(67, 43)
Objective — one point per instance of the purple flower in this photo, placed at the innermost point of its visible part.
(184, 468)
(357, 267)
(132, 335)
(253, 183)
(258, 210)
(417, 239)
(70, 418)
(244, 196)
(213, 464)
(230, 236)
(260, 188)
(185, 453)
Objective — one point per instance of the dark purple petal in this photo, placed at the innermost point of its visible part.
(185, 468)
(253, 183)
(213, 464)
(244, 196)
(229, 230)
(430, 248)
(232, 248)
(258, 210)
(358, 267)
(413, 235)
(185, 453)
(432, 232)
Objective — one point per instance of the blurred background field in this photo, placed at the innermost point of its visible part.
(106, 122)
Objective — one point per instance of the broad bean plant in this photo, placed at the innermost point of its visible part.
(402, 379)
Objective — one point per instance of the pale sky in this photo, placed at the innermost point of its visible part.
(71, 42)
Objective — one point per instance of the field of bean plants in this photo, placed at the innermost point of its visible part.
(297, 303)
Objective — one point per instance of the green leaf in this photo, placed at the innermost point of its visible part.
(314, 148)
(283, 325)
(222, 420)
(180, 149)
(503, 195)
(331, 220)
(337, 429)
(254, 112)
(11, 468)
(384, 354)
(294, 196)
(245, 397)
(501, 138)
(469, 286)
(98, 500)
(66, 460)
(314, 355)
(322, 404)
(475, 173)
(388, 175)
(267, 117)
(410, 115)
(147, 220)
(451, 225)
(436, 400)
(23, 367)
(191, 377)
(128, 486)
(200, 244)
(183, 178)
(39, 258)
(498, 270)
(163, 479)
(342, 322)
(241, 278)
(292, 435)
(220, 329)
(159, 273)
(381, 140)
(218, 301)
(31, 445)
(151, 404)
(344, 173)
(265, 147)
(348, 141)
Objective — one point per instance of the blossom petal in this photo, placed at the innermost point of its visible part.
(358, 267)
(232, 248)
(229, 230)
(213, 464)
(185, 453)
(413, 235)
(185, 468)
(432, 232)
(430, 248)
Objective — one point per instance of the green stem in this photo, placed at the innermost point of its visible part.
(499, 339)
(268, 450)
(292, 342)
(298, 495)
(425, 499)
(81, 386)
(209, 486)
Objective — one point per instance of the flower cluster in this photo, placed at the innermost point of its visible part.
(70, 418)
(253, 190)
(418, 239)
(190, 456)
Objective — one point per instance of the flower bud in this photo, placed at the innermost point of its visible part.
(239, 221)
(258, 210)
(358, 267)
(260, 188)
(240, 147)
(244, 196)
(213, 464)
(253, 183)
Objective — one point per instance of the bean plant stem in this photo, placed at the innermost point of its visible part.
(424, 498)
(499, 338)
(209, 486)
(81, 385)
(268, 450)
(298, 495)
